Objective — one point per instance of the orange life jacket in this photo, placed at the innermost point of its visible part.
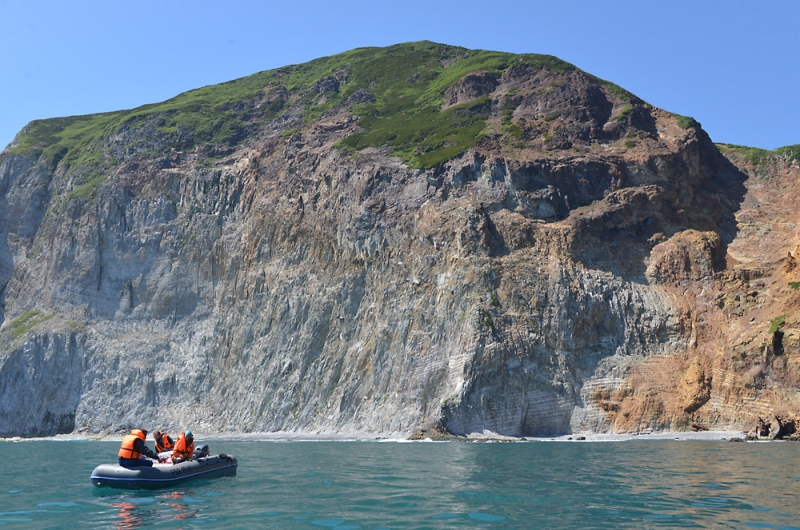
(183, 450)
(126, 450)
(165, 444)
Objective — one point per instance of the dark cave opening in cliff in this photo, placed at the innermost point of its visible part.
(777, 342)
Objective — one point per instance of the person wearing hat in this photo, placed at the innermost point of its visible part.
(132, 449)
(184, 448)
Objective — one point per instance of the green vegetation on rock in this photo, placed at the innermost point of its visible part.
(613, 89)
(409, 83)
(422, 137)
(397, 92)
(89, 187)
(495, 299)
(792, 152)
(761, 157)
(486, 320)
(753, 155)
(402, 89)
(624, 113)
(25, 322)
(776, 323)
(686, 122)
(74, 325)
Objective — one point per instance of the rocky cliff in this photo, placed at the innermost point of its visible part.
(413, 238)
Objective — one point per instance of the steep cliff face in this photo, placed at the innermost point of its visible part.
(742, 363)
(389, 240)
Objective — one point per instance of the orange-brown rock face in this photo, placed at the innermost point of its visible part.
(744, 350)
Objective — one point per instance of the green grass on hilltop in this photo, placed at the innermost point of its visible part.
(616, 90)
(408, 82)
(686, 122)
(792, 152)
(753, 155)
(758, 157)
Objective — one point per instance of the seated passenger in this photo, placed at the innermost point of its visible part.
(163, 441)
(184, 448)
(132, 448)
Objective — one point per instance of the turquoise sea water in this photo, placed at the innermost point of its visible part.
(348, 485)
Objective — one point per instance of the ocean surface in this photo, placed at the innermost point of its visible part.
(369, 485)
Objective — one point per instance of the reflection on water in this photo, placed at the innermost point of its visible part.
(348, 485)
(128, 518)
(178, 501)
(137, 512)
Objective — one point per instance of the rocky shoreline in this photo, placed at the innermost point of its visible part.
(710, 436)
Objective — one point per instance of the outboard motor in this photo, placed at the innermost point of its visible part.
(200, 452)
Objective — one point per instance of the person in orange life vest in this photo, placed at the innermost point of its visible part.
(133, 447)
(184, 448)
(163, 441)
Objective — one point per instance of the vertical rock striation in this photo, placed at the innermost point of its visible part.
(289, 276)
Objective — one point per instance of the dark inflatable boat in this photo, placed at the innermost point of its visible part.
(164, 475)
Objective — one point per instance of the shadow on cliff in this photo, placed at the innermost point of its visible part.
(616, 236)
(733, 182)
(619, 238)
(6, 271)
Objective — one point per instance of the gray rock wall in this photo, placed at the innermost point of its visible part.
(289, 287)
(41, 385)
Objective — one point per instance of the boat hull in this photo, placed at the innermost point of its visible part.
(164, 475)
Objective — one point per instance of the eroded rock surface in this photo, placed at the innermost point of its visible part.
(597, 268)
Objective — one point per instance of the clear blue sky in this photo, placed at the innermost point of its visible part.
(732, 65)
